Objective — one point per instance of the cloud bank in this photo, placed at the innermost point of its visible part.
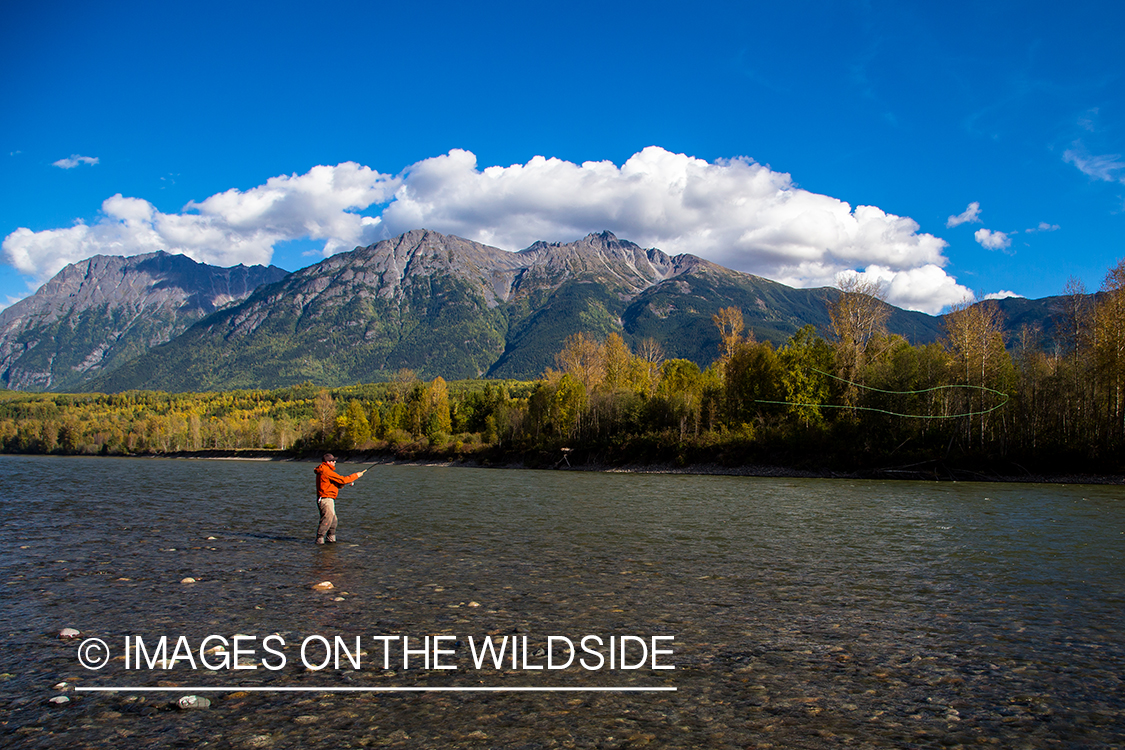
(226, 229)
(734, 212)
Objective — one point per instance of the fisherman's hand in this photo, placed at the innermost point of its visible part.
(363, 472)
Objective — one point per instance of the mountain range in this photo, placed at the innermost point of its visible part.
(100, 313)
(433, 303)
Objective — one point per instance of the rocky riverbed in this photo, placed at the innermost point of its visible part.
(801, 613)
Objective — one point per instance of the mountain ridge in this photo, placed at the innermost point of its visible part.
(96, 314)
(445, 305)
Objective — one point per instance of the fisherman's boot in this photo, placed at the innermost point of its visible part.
(331, 540)
(320, 540)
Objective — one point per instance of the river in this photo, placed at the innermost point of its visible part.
(797, 613)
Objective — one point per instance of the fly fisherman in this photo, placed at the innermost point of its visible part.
(328, 484)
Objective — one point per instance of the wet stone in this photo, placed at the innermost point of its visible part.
(190, 702)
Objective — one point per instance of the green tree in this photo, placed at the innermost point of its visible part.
(753, 375)
(355, 427)
(805, 359)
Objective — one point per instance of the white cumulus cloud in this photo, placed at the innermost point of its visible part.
(1003, 294)
(970, 215)
(734, 212)
(74, 160)
(991, 240)
(916, 288)
(226, 229)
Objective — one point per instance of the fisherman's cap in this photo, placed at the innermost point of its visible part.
(328, 458)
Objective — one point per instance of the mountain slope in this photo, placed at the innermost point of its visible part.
(421, 301)
(443, 305)
(95, 315)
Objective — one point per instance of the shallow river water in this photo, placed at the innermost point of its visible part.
(797, 613)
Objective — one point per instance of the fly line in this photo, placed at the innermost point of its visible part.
(877, 410)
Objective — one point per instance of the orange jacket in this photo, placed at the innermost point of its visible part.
(328, 482)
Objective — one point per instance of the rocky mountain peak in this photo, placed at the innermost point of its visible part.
(94, 312)
(390, 268)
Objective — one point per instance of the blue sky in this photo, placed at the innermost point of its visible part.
(750, 134)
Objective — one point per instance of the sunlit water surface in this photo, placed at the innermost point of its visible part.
(805, 613)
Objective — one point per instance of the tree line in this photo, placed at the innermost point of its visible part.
(405, 412)
(853, 396)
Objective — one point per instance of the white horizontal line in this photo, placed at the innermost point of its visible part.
(238, 688)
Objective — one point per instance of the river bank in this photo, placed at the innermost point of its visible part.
(583, 461)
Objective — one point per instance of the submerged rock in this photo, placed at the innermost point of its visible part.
(67, 633)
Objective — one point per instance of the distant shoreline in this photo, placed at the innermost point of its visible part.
(938, 473)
